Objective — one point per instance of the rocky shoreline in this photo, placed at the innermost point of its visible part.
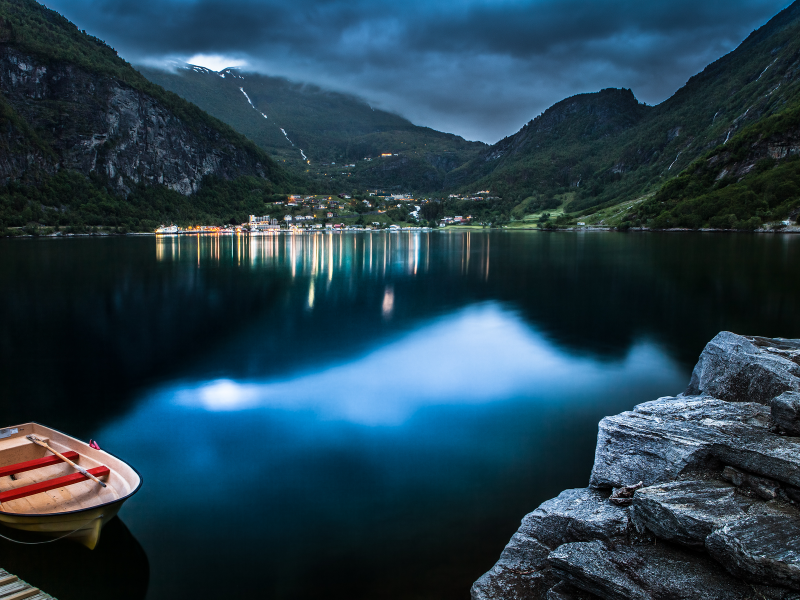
(695, 496)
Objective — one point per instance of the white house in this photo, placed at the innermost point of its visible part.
(262, 223)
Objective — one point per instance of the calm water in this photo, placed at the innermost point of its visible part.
(352, 416)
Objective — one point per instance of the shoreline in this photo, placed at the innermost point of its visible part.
(789, 230)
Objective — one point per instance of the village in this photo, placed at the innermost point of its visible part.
(371, 211)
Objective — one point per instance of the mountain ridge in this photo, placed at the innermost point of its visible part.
(754, 81)
(331, 128)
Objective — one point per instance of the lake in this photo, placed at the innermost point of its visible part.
(352, 415)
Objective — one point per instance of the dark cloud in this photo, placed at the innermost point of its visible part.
(479, 68)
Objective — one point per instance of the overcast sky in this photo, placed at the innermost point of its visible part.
(478, 68)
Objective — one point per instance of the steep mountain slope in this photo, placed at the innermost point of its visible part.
(318, 133)
(555, 151)
(636, 149)
(752, 180)
(71, 107)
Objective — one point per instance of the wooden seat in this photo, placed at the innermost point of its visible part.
(47, 461)
(50, 484)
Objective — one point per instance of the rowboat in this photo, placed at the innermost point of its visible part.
(43, 494)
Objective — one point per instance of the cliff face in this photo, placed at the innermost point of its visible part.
(694, 496)
(63, 117)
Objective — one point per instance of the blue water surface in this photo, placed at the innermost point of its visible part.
(357, 415)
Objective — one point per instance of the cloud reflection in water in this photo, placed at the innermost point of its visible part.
(482, 354)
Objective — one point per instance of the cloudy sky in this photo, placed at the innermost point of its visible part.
(478, 68)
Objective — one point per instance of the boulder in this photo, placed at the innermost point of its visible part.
(786, 412)
(685, 512)
(763, 548)
(673, 438)
(740, 369)
(649, 572)
(522, 571)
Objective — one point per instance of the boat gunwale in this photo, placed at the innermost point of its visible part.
(120, 500)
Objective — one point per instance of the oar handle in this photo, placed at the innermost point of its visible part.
(80, 469)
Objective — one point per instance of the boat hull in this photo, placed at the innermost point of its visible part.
(83, 527)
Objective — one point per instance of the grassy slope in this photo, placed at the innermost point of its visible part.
(329, 127)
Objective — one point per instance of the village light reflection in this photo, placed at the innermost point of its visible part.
(381, 255)
(387, 307)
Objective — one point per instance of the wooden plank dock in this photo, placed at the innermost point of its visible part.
(13, 588)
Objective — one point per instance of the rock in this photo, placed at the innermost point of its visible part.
(564, 591)
(793, 493)
(517, 574)
(504, 582)
(671, 438)
(763, 548)
(786, 412)
(686, 511)
(651, 573)
(766, 488)
(575, 515)
(624, 496)
(739, 369)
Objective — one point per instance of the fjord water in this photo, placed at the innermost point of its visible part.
(352, 415)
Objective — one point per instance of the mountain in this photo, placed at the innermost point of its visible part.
(87, 140)
(322, 134)
(605, 148)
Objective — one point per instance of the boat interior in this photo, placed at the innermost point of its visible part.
(33, 481)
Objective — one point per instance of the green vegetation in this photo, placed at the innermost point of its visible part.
(77, 203)
(769, 193)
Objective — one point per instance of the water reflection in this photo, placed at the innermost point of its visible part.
(322, 254)
(481, 354)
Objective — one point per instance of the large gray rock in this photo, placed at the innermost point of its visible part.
(739, 369)
(685, 512)
(575, 515)
(786, 412)
(651, 573)
(671, 438)
(764, 548)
